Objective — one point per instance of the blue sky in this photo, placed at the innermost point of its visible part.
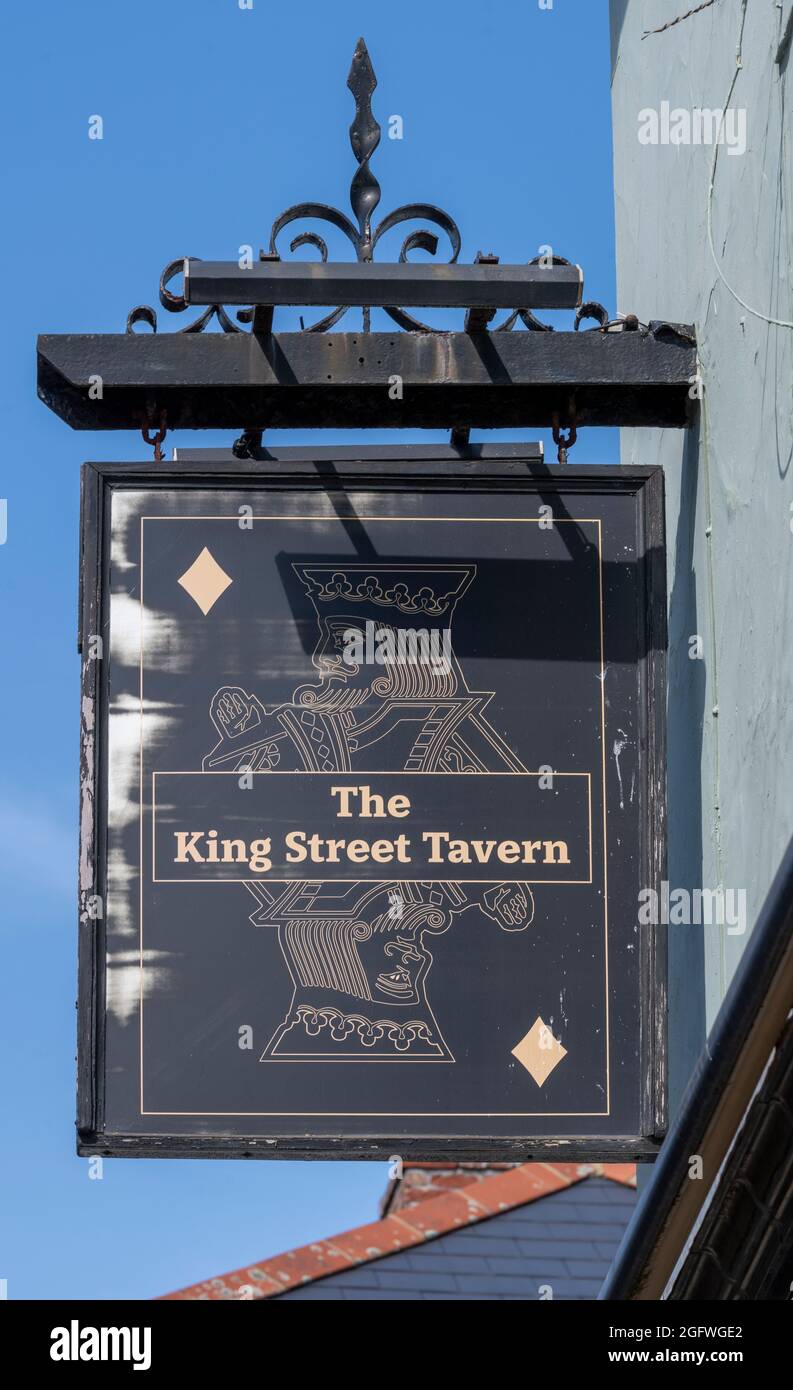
(215, 119)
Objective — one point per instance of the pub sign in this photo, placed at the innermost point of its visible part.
(372, 781)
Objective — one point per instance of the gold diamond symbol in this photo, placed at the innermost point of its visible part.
(539, 1052)
(205, 581)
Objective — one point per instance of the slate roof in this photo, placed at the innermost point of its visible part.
(536, 1231)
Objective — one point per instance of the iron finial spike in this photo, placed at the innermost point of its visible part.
(364, 138)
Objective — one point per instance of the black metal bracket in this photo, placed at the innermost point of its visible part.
(273, 282)
(519, 372)
(343, 381)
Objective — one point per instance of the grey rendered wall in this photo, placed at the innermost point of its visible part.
(729, 485)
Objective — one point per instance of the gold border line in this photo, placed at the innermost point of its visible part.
(533, 1114)
(605, 815)
(400, 1115)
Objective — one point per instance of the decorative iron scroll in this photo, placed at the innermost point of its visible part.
(365, 195)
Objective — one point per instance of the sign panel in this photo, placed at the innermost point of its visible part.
(372, 785)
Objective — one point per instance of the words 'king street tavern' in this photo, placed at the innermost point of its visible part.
(438, 846)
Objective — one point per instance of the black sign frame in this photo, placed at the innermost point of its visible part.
(371, 470)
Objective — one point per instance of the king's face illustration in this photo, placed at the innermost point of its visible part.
(382, 635)
(331, 654)
(395, 967)
(341, 637)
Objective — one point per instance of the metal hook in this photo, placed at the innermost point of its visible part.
(563, 444)
(156, 439)
(247, 445)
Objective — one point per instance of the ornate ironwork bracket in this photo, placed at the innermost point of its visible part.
(364, 236)
(620, 372)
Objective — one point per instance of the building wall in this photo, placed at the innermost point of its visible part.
(729, 482)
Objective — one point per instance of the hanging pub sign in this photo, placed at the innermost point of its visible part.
(372, 782)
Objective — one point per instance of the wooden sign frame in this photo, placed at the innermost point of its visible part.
(332, 488)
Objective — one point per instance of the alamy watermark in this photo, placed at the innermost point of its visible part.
(77, 1343)
(677, 125)
(686, 907)
(380, 645)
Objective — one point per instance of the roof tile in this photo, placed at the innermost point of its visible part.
(431, 1219)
